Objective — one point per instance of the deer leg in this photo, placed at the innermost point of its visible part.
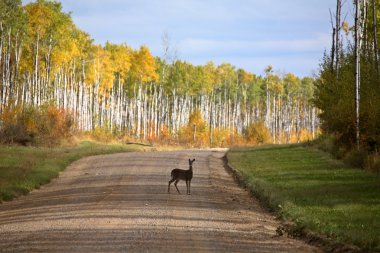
(171, 181)
(175, 184)
(189, 187)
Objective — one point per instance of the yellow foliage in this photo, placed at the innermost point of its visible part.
(345, 26)
(39, 19)
(245, 77)
(257, 133)
(164, 132)
(104, 68)
(101, 70)
(196, 131)
(102, 135)
(220, 137)
(248, 77)
(210, 77)
(302, 136)
(121, 58)
(306, 135)
(143, 67)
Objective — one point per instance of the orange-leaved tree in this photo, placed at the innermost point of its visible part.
(196, 131)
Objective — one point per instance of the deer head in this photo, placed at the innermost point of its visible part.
(191, 162)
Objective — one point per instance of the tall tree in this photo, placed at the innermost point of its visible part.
(357, 68)
(375, 48)
(337, 33)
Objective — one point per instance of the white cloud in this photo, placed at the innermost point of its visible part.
(199, 46)
(246, 32)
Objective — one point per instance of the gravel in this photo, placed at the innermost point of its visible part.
(119, 203)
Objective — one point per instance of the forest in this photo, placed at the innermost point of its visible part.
(55, 82)
(348, 87)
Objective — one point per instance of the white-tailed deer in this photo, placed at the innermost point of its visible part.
(185, 175)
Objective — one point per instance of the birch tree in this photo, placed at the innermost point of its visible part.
(357, 68)
(115, 88)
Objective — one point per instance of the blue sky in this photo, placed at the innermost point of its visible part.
(290, 35)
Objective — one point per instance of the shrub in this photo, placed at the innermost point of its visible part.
(372, 163)
(376, 166)
(14, 128)
(257, 133)
(196, 131)
(356, 158)
(53, 125)
(220, 137)
(330, 144)
(45, 125)
(102, 134)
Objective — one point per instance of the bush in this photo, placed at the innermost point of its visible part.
(356, 158)
(257, 133)
(376, 166)
(102, 134)
(54, 125)
(372, 163)
(196, 131)
(330, 144)
(220, 137)
(45, 125)
(13, 128)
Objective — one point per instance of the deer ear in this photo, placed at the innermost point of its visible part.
(193, 159)
(189, 161)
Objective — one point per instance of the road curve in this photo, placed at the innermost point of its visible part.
(119, 203)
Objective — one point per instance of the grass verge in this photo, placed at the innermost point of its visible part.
(23, 169)
(317, 193)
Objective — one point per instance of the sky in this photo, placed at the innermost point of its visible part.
(290, 35)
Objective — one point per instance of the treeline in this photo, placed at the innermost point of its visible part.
(46, 61)
(348, 89)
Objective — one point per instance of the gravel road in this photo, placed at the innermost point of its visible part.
(119, 203)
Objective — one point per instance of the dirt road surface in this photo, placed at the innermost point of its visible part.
(119, 203)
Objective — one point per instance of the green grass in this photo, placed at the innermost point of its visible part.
(318, 193)
(23, 169)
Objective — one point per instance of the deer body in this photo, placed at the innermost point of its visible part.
(185, 175)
